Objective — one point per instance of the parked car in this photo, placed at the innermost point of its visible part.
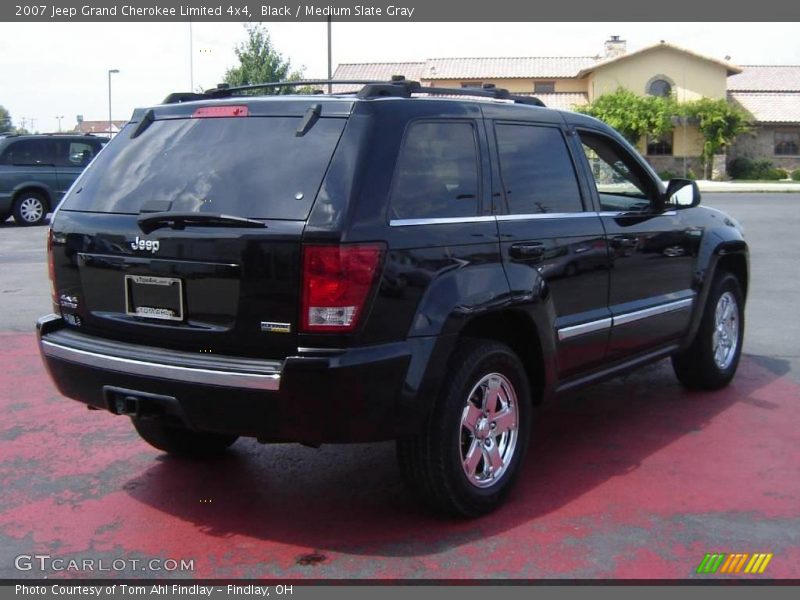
(36, 171)
(352, 268)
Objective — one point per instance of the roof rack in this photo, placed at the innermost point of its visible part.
(397, 87)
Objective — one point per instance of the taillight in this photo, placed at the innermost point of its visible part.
(336, 283)
(51, 271)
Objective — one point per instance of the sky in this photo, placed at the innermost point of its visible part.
(49, 70)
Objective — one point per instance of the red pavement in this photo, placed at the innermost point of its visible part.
(635, 478)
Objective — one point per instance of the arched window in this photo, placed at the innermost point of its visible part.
(659, 87)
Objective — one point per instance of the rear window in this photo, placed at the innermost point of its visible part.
(253, 167)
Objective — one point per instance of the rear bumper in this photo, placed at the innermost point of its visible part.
(360, 394)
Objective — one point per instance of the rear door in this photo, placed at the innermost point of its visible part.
(552, 241)
(652, 250)
(220, 272)
(71, 158)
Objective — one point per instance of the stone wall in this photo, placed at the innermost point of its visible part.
(674, 164)
(759, 144)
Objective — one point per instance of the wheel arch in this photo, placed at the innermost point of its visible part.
(34, 187)
(731, 256)
(518, 331)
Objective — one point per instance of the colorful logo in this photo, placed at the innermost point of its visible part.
(734, 563)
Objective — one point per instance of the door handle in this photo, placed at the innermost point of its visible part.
(530, 251)
(624, 241)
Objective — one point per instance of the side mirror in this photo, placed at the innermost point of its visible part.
(681, 193)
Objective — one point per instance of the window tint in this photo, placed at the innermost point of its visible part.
(621, 183)
(28, 153)
(250, 167)
(437, 172)
(537, 171)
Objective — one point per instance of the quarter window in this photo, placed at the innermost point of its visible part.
(536, 170)
(437, 172)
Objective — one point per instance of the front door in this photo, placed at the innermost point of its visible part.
(652, 252)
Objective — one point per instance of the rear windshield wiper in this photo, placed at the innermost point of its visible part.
(180, 220)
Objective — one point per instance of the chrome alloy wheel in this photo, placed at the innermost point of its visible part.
(31, 209)
(725, 339)
(489, 430)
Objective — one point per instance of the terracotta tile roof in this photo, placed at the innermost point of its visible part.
(562, 100)
(766, 78)
(523, 67)
(770, 107)
(379, 71)
(731, 68)
(97, 126)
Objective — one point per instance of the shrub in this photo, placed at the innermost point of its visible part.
(667, 175)
(776, 174)
(796, 175)
(744, 168)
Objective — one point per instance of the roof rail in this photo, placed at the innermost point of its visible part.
(397, 87)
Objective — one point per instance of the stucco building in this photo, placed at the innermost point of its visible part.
(770, 94)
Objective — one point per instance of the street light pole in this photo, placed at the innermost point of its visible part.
(59, 122)
(191, 58)
(330, 62)
(110, 72)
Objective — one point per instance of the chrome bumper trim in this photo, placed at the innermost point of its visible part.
(232, 379)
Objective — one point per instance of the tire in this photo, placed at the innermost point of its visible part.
(30, 208)
(434, 463)
(180, 441)
(710, 362)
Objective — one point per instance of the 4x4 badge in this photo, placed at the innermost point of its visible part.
(142, 244)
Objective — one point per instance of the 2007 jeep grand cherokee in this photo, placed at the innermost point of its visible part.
(386, 264)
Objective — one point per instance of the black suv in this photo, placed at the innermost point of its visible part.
(36, 171)
(387, 264)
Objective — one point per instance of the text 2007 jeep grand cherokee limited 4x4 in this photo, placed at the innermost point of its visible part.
(386, 264)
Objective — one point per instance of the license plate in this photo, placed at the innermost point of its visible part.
(154, 297)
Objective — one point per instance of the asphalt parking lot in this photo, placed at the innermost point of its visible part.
(634, 478)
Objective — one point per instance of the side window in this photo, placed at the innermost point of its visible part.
(28, 153)
(621, 183)
(437, 172)
(75, 154)
(537, 171)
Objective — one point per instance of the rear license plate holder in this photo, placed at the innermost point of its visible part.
(152, 297)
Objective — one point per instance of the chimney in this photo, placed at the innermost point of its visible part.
(615, 47)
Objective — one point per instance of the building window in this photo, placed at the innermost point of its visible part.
(471, 84)
(787, 143)
(659, 87)
(544, 87)
(659, 146)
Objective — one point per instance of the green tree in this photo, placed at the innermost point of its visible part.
(718, 122)
(5, 120)
(632, 115)
(260, 62)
